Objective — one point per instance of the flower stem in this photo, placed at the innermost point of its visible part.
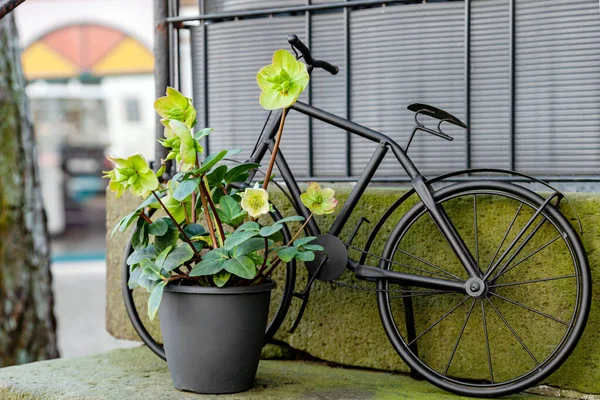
(300, 230)
(147, 218)
(275, 149)
(185, 237)
(211, 228)
(218, 223)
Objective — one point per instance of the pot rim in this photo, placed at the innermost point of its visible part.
(263, 287)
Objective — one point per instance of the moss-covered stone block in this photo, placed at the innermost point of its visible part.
(343, 326)
(136, 374)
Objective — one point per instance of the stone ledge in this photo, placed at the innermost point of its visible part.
(137, 374)
(337, 315)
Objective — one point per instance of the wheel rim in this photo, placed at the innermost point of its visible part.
(473, 382)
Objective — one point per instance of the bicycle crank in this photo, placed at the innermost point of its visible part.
(336, 258)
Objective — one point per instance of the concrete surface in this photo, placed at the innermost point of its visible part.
(80, 307)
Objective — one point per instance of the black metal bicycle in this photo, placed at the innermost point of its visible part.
(489, 284)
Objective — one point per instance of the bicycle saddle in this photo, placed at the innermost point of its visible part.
(436, 113)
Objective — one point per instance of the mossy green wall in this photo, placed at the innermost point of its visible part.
(343, 326)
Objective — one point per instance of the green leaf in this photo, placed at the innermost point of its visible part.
(151, 271)
(155, 298)
(250, 246)
(249, 226)
(287, 253)
(192, 230)
(134, 277)
(221, 278)
(137, 256)
(168, 239)
(242, 266)
(160, 260)
(235, 173)
(188, 147)
(158, 227)
(217, 175)
(202, 133)
(313, 247)
(185, 188)
(139, 240)
(237, 238)
(230, 211)
(305, 256)
(177, 257)
(209, 266)
(270, 230)
(147, 284)
(125, 222)
(211, 160)
(294, 218)
(303, 241)
(151, 200)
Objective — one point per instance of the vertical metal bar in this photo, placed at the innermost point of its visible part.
(205, 76)
(161, 70)
(171, 51)
(309, 93)
(511, 57)
(468, 81)
(347, 87)
(178, 53)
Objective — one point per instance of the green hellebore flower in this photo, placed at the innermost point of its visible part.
(131, 173)
(319, 201)
(282, 82)
(255, 202)
(176, 106)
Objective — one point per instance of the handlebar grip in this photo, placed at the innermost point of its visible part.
(295, 41)
(332, 69)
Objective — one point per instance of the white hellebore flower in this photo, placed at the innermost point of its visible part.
(255, 201)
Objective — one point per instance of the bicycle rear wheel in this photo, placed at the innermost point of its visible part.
(528, 319)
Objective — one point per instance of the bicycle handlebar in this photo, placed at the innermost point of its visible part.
(301, 47)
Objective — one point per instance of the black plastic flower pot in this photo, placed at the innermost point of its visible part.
(213, 337)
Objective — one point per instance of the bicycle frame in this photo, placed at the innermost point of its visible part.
(422, 188)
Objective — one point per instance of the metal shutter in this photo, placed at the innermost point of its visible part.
(558, 87)
(490, 136)
(329, 143)
(401, 55)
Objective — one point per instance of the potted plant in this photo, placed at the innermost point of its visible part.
(206, 263)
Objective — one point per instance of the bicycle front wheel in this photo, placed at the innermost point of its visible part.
(526, 320)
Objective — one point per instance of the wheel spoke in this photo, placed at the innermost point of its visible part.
(462, 330)
(512, 244)
(505, 235)
(543, 314)
(475, 229)
(487, 342)
(532, 281)
(525, 258)
(428, 263)
(440, 320)
(513, 332)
